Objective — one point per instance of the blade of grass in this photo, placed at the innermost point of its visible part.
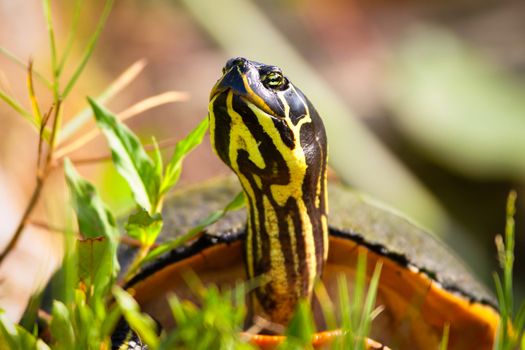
(71, 36)
(327, 306)
(18, 108)
(444, 339)
(300, 329)
(509, 329)
(114, 88)
(52, 45)
(32, 96)
(359, 290)
(344, 307)
(370, 300)
(509, 250)
(151, 102)
(519, 323)
(8, 54)
(90, 47)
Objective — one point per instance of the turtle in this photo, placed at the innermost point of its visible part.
(298, 229)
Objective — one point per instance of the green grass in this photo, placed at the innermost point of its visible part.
(510, 331)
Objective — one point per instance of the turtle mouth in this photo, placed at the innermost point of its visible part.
(217, 90)
(238, 84)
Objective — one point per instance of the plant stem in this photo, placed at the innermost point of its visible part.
(44, 171)
(23, 221)
(135, 264)
(40, 180)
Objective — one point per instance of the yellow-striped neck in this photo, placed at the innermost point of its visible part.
(279, 155)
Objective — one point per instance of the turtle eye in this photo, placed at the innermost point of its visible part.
(274, 80)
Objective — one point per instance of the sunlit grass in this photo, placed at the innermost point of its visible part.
(510, 331)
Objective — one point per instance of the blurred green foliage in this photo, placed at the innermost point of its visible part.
(458, 106)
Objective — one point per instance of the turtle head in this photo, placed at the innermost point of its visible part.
(269, 134)
(256, 112)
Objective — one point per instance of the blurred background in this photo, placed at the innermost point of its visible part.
(424, 104)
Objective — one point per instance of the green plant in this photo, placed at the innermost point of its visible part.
(357, 313)
(56, 138)
(511, 328)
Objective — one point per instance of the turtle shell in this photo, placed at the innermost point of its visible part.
(423, 286)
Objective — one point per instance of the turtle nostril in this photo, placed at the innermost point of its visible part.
(236, 61)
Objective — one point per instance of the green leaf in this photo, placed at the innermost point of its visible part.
(144, 227)
(61, 327)
(237, 203)
(92, 256)
(141, 323)
(30, 316)
(15, 337)
(8, 332)
(98, 264)
(182, 149)
(65, 279)
(94, 220)
(130, 158)
(157, 159)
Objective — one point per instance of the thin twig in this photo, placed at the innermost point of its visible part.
(124, 239)
(54, 130)
(46, 226)
(91, 160)
(41, 133)
(23, 220)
